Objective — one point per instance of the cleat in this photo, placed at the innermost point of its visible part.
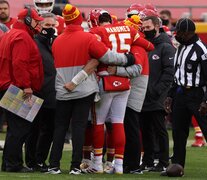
(108, 167)
(86, 163)
(198, 143)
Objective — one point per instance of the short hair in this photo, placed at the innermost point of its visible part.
(49, 15)
(4, 1)
(105, 17)
(167, 12)
(155, 20)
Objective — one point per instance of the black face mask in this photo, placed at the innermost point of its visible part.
(150, 34)
(180, 39)
(48, 32)
(165, 22)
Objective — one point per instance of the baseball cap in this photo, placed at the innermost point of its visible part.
(185, 25)
(33, 14)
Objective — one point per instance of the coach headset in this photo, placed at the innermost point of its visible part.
(28, 18)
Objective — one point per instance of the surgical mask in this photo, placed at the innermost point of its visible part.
(150, 34)
(165, 22)
(48, 32)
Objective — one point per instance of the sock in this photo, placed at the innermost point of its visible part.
(118, 139)
(98, 141)
(197, 129)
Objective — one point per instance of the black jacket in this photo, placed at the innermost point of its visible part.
(161, 62)
(48, 89)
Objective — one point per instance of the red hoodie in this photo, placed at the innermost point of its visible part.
(20, 60)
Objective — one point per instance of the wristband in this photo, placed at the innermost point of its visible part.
(80, 77)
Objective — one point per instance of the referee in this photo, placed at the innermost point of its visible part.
(189, 90)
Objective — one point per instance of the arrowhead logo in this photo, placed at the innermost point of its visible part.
(117, 83)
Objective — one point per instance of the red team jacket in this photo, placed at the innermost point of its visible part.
(20, 60)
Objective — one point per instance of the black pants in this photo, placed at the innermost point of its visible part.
(77, 111)
(39, 140)
(153, 124)
(132, 151)
(186, 104)
(17, 132)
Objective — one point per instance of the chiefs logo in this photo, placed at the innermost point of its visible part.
(117, 83)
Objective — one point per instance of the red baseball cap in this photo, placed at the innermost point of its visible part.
(33, 14)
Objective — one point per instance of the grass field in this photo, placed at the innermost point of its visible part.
(196, 168)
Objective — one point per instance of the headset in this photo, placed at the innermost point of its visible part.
(28, 18)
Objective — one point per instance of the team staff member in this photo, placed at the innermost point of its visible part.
(189, 97)
(160, 78)
(5, 14)
(39, 142)
(72, 50)
(20, 65)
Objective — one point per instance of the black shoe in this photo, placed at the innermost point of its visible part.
(146, 167)
(26, 170)
(136, 171)
(128, 170)
(75, 171)
(53, 170)
(163, 173)
(41, 167)
(1, 148)
(22, 170)
(158, 168)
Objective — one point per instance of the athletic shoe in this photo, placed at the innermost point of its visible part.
(158, 168)
(94, 168)
(53, 170)
(136, 171)
(118, 168)
(75, 171)
(144, 167)
(85, 164)
(198, 143)
(108, 167)
(21, 170)
(41, 167)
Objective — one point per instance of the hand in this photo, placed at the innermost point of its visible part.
(70, 86)
(168, 104)
(130, 59)
(203, 109)
(27, 93)
(112, 70)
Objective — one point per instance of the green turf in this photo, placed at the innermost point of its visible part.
(196, 168)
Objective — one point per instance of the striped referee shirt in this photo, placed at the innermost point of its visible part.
(191, 65)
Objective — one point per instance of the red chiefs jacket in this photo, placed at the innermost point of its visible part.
(20, 60)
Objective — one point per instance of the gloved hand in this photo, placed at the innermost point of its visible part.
(203, 108)
(130, 59)
(168, 104)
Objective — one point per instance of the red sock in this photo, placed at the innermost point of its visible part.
(98, 139)
(197, 129)
(118, 139)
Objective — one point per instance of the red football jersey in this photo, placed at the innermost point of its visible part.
(117, 37)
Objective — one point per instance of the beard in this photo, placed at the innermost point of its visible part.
(3, 17)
